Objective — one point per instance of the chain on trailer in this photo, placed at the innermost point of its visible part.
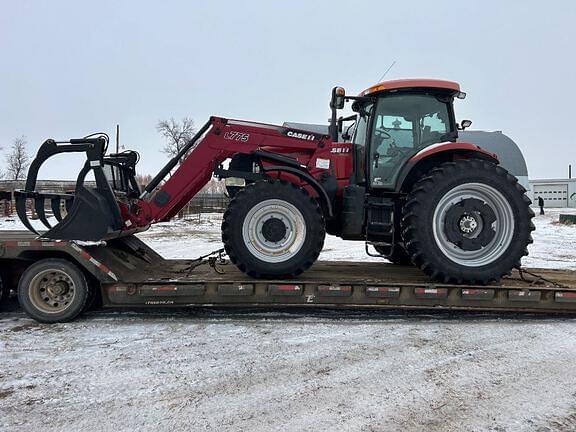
(537, 279)
(215, 259)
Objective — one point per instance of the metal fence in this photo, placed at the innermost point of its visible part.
(201, 203)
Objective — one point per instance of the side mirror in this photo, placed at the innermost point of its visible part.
(338, 95)
(465, 124)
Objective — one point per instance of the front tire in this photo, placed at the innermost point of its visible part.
(53, 290)
(273, 229)
(468, 221)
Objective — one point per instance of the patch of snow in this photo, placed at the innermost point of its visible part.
(554, 243)
(13, 223)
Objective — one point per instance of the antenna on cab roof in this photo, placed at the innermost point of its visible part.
(387, 70)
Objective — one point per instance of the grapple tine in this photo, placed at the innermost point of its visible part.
(39, 203)
(21, 211)
(56, 209)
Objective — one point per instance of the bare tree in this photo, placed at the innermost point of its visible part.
(177, 134)
(2, 172)
(214, 187)
(17, 160)
(143, 179)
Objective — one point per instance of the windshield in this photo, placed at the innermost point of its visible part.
(403, 125)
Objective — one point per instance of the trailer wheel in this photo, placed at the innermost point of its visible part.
(53, 290)
(468, 221)
(273, 229)
(4, 290)
(398, 256)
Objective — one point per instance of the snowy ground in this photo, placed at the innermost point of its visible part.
(302, 371)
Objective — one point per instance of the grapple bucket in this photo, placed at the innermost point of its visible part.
(92, 213)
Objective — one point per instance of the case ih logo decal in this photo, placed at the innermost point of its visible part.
(302, 136)
(237, 136)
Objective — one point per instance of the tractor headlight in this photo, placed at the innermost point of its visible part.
(235, 181)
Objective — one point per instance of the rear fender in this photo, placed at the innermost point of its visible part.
(431, 157)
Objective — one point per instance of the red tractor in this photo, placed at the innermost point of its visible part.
(402, 183)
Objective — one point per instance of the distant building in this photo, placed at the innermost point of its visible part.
(507, 150)
(559, 193)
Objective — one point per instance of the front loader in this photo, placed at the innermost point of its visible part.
(403, 184)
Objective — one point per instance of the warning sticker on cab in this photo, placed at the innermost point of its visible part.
(323, 163)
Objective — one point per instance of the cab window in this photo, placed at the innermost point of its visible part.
(403, 125)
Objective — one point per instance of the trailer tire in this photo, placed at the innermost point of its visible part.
(273, 229)
(467, 221)
(4, 290)
(53, 290)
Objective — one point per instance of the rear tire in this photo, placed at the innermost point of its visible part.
(468, 221)
(53, 290)
(273, 229)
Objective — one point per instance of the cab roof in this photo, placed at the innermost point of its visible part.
(411, 83)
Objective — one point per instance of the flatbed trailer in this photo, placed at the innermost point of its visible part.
(125, 272)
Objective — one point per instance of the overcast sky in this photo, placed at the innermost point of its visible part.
(69, 68)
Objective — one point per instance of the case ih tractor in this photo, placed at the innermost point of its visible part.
(403, 184)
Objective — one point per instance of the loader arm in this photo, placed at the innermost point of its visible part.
(115, 207)
(218, 140)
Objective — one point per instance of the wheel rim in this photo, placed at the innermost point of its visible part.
(274, 231)
(52, 291)
(473, 224)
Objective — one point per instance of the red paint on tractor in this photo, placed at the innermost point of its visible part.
(411, 83)
(451, 146)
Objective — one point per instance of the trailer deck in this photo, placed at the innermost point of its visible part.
(344, 284)
(129, 273)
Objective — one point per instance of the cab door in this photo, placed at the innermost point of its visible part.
(402, 125)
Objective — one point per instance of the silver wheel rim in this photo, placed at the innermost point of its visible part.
(503, 226)
(52, 291)
(262, 247)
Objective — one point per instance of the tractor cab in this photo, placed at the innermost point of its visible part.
(395, 121)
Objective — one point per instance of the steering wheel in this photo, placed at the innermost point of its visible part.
(383, 133)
